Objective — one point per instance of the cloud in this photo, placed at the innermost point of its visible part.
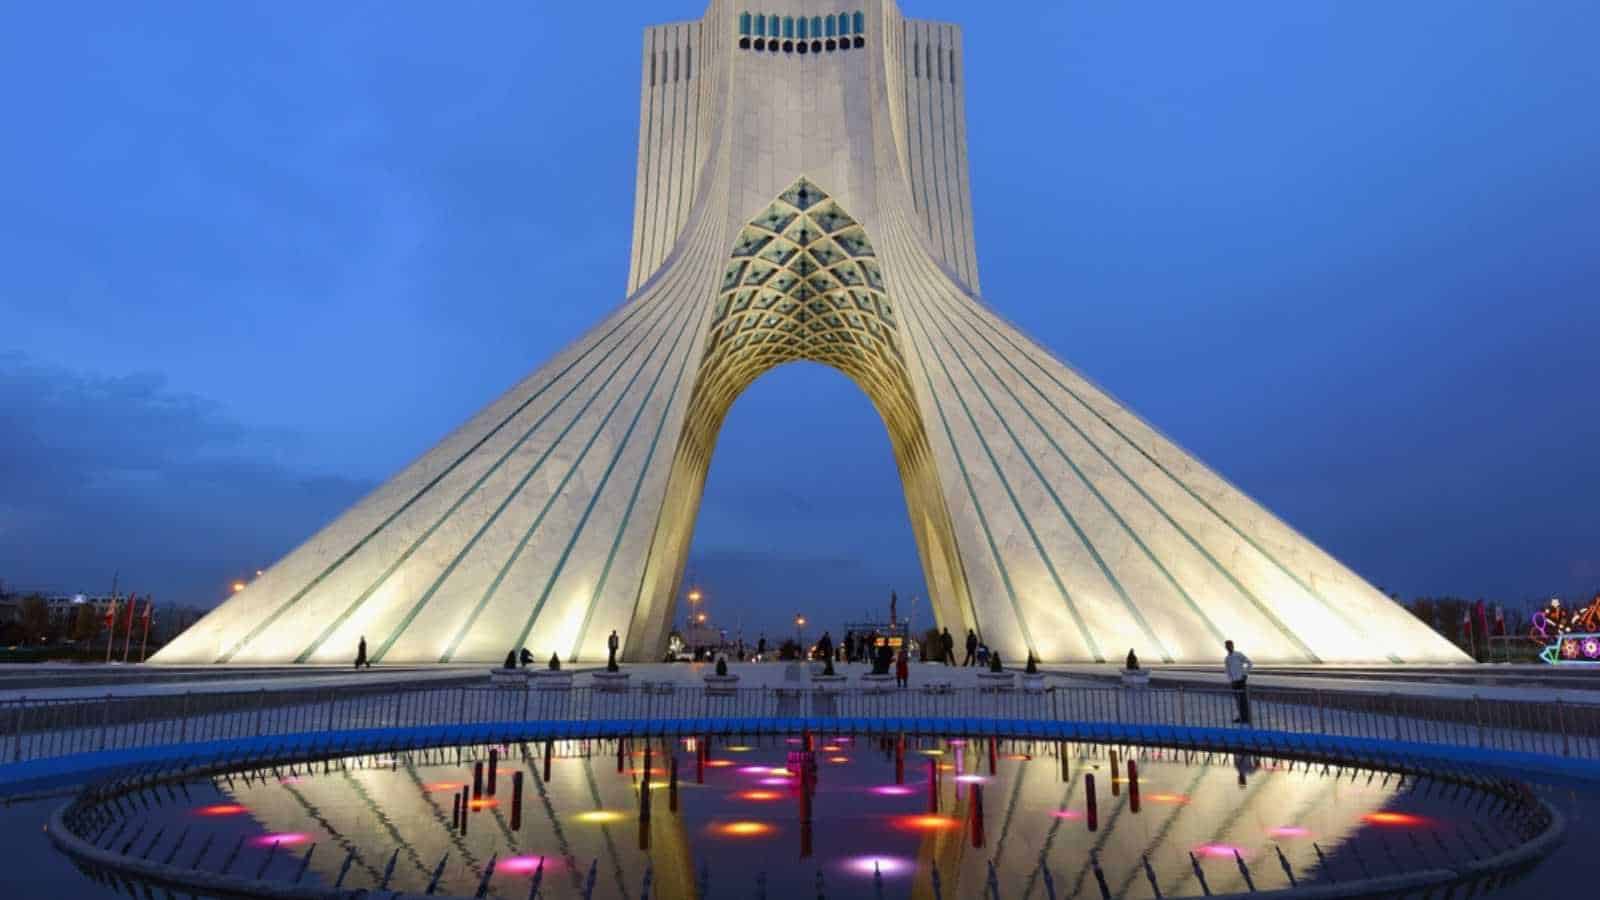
(103, 475)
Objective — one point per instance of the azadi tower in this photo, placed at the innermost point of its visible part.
(802, 193)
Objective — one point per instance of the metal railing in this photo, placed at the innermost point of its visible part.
(32, 730)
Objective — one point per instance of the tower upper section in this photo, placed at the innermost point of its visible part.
(866, 103)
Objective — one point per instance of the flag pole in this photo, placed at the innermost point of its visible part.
(133, 606)
(149, 611)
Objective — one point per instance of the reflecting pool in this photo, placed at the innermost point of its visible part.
(740, 811)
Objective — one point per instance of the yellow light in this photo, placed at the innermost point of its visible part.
(740, 748)
(694, 595)
(932, 752)
(599, 816)
(238, 586)
(743, 829)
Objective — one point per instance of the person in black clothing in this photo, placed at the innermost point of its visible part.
(972, 648)
(526, 657)
(849, 646)
(761, 646)
(361, 653)
(947, 648)
(825, 646)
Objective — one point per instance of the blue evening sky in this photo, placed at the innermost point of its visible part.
(256, 257)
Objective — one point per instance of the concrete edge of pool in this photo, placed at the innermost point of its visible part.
(62, 772)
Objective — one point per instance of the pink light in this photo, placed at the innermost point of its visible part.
(1219, 851)
(283, 839)
(290, 779)
(1067, 814)
(1288, 831)
(892, 790)
(525, 865)
(774, 782)
(867, 865)
(971, 779)
(754, 770)
(956, 742)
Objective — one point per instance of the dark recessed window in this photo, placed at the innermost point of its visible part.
(761, 43)
(831, 44)
(744, 43)
(788, 46)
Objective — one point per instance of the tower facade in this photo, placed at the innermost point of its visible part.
(802, 193)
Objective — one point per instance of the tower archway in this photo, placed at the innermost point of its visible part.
(802, 283)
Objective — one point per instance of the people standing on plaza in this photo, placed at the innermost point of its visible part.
(612, 644)
(1238, 668)
(902, 668)
(825, 646)
(849, 646)
(972, 648)
(361, 653)
(947, 648)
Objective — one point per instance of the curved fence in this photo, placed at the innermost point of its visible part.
(34, 731)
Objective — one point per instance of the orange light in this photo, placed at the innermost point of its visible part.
(655, 772)
(947, 767)
(830, 748)
(599, 816)
(1172, 799)
(443, 786)
(238, 586)
(718, 763)
(222, 809)
(483, 803)
(1403, 820)
(759, 796)
(838, 760)
(927, 822)
(1017, 756)
(742, 829)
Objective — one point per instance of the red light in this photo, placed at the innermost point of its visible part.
(1394, 819)
(222, 809)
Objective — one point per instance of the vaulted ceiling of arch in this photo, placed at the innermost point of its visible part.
(803, 282)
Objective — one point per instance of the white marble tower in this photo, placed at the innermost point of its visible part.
(802, 193)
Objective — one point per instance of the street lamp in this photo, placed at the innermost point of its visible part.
(800, 634)
(238, 586)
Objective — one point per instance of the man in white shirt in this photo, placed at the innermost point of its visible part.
(1238, 667)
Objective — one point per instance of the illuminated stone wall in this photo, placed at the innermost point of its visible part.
(1049, 517)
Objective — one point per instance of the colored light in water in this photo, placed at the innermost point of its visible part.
(599, 816)
(759, 796)
(971, 779)
(1288, 831)
(838, 760)
(483, 803)
(774, 782)
(779, 770)
(957, 742)
(755, 770)
(718, 763)
(451, 786)
(1219, 851)
(927, 822)
(526, 865)
(1394, 819)
(222, 809)
(1017, 756)
(282, 839)
(290, 779)
(654, 772)
(830, 748)
(1170, 799)
(893, 790)
(947, 767)
(741, 829)
(737, 749)
(1067, 814)
(934, 751)
(793, 741)
(867, 865)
